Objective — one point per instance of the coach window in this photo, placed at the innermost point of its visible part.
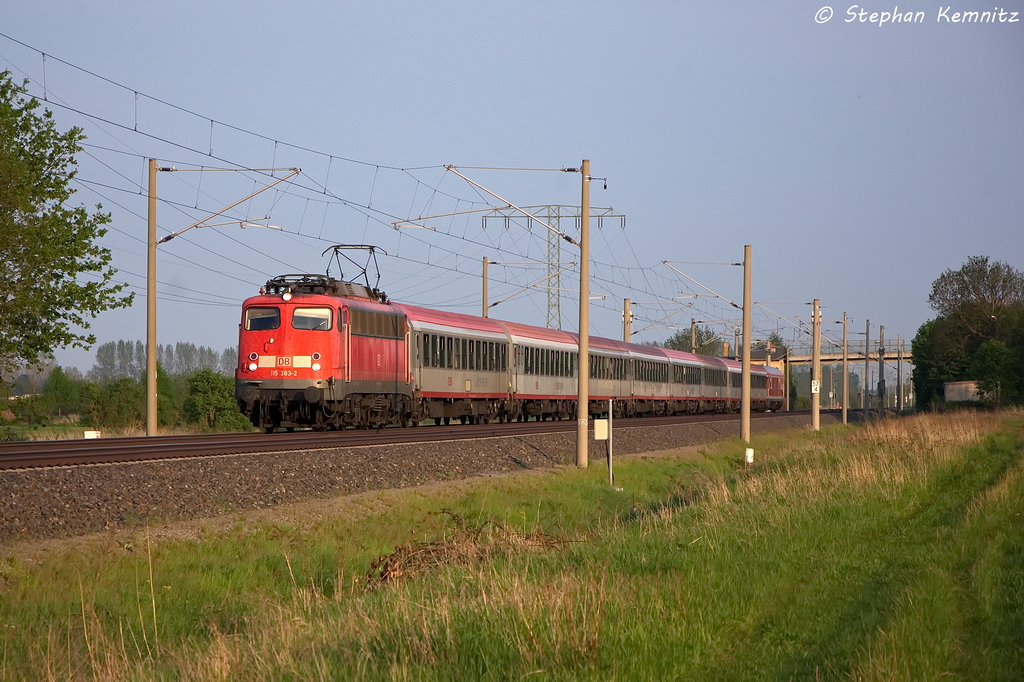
(318, 319)
(504, 357)
(465, 360)
(262, 318)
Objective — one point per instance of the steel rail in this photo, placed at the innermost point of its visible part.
(75, 452)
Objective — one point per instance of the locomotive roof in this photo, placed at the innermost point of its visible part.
(366, 304)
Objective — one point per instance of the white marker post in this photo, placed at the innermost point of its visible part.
(603, 431)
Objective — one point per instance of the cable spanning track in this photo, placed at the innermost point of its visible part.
(654, 284)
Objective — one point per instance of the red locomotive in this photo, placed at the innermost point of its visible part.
(320, 352)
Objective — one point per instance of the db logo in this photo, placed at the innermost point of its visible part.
(536, 385)
(449, 381)
(284, 361)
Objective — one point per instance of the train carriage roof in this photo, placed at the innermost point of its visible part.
(539, 336)
(451, 323)
(682, 357)
(648, 352)
(604, 345)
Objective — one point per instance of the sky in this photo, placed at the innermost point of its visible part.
(860, 157)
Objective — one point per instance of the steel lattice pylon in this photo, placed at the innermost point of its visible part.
(553, 215)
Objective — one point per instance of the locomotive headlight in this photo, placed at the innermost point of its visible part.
(253, 356)
(287, 295)
(316, 356)
(252, 366)
(316, 366)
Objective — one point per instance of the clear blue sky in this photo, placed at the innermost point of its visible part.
(859, 160)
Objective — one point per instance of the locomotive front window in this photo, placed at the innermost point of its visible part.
(259, 318)
(318, 319)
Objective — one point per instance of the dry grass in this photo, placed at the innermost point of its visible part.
(465, 545)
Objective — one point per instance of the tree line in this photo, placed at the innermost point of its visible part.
(124, 359)
(978, 334)
(197, 392)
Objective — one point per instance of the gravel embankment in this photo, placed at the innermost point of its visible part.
(66, 501)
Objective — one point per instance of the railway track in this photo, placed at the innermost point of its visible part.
(33, 454)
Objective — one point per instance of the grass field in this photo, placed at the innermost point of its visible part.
(889, 551)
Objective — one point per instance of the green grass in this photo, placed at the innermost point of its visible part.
(892, 551)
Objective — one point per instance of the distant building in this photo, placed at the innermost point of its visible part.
(960, 391)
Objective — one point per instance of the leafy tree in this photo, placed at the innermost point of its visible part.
(938, 356)
(119, 360)
(994, 367)
(210, 401)
(983, 298)
(92, 402)
(708, 342)
(62, 393)
(121, 404)
(228, 361)
(45, 244)
(981, 302)
(127, 359)
(168, 397)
